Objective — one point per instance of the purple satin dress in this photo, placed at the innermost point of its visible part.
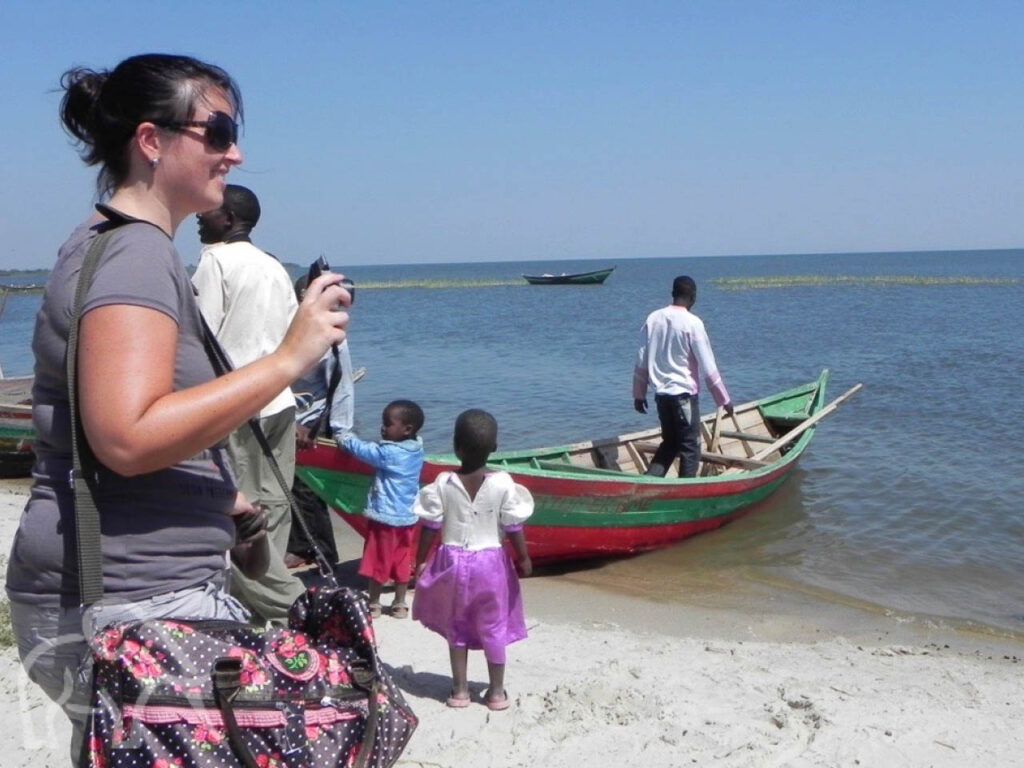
(472, 599)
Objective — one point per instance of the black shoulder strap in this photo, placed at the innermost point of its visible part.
(87, 516)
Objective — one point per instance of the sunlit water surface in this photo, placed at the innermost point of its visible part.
(909, 495)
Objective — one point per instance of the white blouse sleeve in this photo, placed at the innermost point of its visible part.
(428, 505)
(516, 507)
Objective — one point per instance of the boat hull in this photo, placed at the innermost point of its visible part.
(554, 534)
(588, 512)
(581, 278)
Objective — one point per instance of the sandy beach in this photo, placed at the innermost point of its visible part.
(777, 679)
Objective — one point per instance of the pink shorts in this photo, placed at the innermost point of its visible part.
(387, 552)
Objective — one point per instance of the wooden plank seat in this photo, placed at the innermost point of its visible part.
(564, 466)
(748, 436)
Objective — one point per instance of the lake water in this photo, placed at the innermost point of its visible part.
(905, 498)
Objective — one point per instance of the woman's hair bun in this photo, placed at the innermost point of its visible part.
(82, 88)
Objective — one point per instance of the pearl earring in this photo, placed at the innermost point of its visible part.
(154, 162)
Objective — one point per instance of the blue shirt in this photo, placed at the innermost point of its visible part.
(396, 482)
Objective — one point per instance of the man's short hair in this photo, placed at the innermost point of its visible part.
(242, 203)
(683, 287)
(407, 412)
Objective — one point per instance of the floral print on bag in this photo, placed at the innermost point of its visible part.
(295, 657)
(253, 676)
(207, 738)
(141, 662)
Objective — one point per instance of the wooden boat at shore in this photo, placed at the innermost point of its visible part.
(592, 498)
(17, 434)
(579, 278)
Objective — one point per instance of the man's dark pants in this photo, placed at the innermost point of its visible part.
(680, 435)
(318, 519)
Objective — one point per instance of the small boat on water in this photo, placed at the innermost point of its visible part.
(16, 432)
(579, 278)
(592, 498)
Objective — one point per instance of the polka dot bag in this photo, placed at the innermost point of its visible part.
(214, 694)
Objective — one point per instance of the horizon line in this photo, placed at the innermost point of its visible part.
(34, 270)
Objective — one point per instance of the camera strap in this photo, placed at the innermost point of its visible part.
(221, 365)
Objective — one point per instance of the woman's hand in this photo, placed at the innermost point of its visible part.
(250, 520)
(320, 322)
(251, 552)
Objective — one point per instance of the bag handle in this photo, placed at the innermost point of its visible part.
(227, 680)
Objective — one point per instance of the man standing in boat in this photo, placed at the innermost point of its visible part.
(675, 353)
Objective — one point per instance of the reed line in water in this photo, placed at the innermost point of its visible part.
(435, 283)
(878, 281)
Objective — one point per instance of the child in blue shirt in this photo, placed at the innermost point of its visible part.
(397, 459)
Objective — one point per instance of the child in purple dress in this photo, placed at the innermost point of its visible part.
(469, 592)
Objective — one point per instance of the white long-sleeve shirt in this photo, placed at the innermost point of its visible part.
(675, 353)
(248, 301)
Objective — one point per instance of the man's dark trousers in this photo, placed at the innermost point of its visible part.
(680, 435)
(318, 519)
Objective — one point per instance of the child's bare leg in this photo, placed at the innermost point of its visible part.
(400, 591)
(496, 690)
(374, 588)
(460, 682)
(399, 608)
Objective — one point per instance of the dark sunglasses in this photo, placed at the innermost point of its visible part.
(221, 129)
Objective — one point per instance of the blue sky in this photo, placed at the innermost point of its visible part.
(387, 132)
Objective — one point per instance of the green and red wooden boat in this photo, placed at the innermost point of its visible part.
(592, 498)
(17, 434)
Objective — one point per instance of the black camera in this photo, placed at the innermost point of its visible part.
(320, 266)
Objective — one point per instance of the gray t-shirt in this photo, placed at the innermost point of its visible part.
(162, 531)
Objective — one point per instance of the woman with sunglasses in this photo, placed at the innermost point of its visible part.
(154, 414)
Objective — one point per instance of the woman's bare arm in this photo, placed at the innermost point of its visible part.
(133, 420)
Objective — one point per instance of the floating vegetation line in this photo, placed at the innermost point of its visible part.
(799, 281)
(435, 283)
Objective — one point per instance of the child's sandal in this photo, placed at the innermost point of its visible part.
(375, 610)
(458, 702)
(399, 611)
(497, 705)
